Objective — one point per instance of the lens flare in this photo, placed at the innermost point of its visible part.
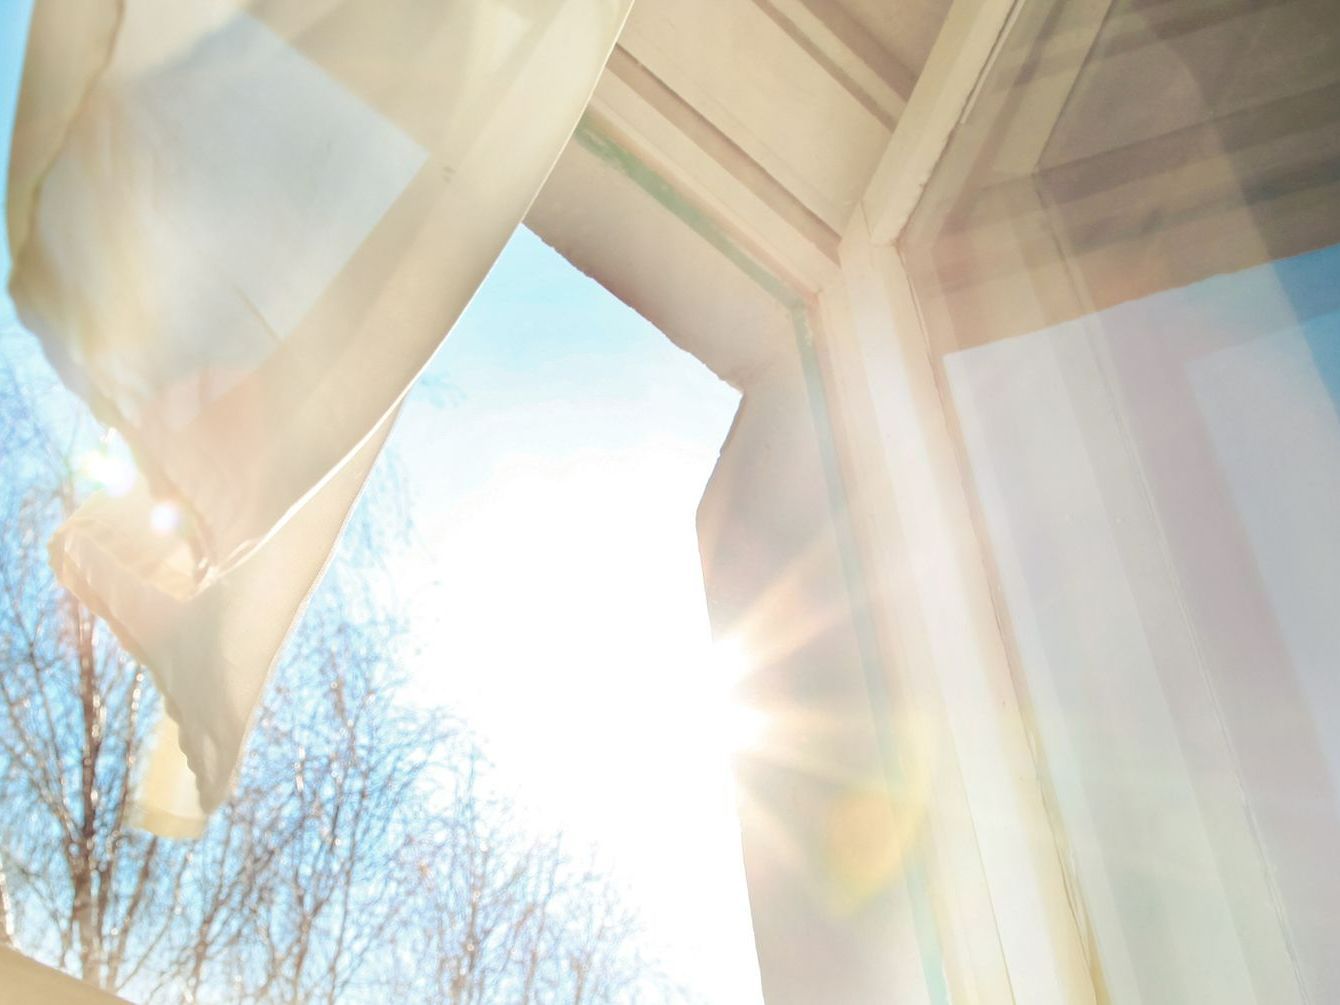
(164, 518)
(730, 662)
(740, 727)
(110, 467)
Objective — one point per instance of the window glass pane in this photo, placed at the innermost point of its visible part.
(1128, 268)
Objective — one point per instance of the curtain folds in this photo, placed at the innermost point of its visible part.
(240, 230)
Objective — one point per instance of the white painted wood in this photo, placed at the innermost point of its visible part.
(944, 91)
(949, 587)
(751, 80)
(601, 221)
(905, 28)
(713, 175)
(947, 854)
(838, 51)
(24, 981)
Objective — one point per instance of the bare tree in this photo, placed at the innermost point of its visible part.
(363, 854)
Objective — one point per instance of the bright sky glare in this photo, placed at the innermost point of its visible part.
(555, 458)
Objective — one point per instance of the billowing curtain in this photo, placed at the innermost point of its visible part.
(240, 229)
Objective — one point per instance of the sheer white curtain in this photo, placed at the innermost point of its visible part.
(240, 230)
(1159, 483)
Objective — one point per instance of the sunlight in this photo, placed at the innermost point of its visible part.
(558, 594)
(571, 632)
(731, 661)
(608, 681)
(164, 518)
(740, 727)
(745, 729)
(111, 467)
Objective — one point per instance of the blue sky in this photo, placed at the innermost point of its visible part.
(553, 458)
(13, 23)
